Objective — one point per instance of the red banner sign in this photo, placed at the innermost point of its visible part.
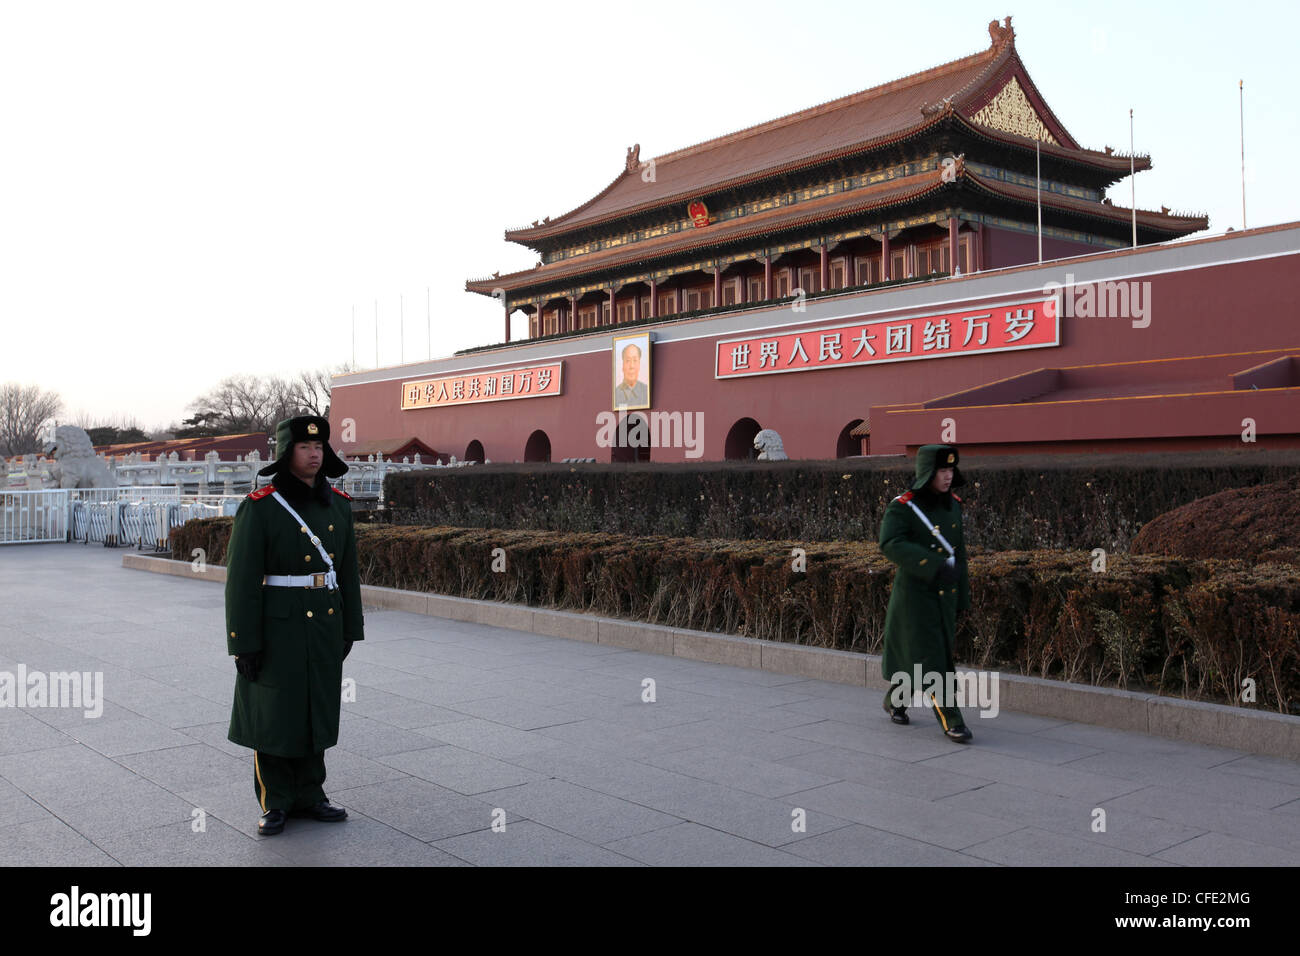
(1028, 324)
(535, 381)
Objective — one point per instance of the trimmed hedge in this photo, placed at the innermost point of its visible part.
(1012, 502)
(1163, 625)
(1256, 524)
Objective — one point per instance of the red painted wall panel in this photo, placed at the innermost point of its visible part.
(1235, 307)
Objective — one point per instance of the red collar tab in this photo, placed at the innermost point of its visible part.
(261, 493)
(905, 497)
(340, 491)
(954, 497)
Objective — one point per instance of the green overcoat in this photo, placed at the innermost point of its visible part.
(292, 709)
(921, 621)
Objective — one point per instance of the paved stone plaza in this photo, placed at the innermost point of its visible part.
(456, 725)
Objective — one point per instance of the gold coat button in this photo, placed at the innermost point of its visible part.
(309, 613)
(304, 529)
(331, 527)
(331, 555)
(232, 633)
(923, 560)
(940, 595)
(306, 557)
(331, 610)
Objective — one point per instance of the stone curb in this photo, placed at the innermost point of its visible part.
(1214, 725)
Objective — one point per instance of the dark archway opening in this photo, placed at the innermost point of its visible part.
(740, 440)
(538, 447)
(847, 445)
(631, 439)
(474, 451)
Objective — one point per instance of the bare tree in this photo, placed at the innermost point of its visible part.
(244, 403)
(312, 388)
(240, 403)
(25, 412)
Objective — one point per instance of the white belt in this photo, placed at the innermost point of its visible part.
(325, 580)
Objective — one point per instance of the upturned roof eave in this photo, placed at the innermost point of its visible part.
(994, 57)
(511, 282)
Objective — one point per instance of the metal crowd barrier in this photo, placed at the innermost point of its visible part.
(113, 517)
(30, 516)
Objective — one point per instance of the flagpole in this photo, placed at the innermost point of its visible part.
(1038, 194)
(1132, 178)
(428, 321)
(354, 338)
(1241, 94)
(376, 333)
(401, 319)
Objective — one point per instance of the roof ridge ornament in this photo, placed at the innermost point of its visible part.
(944, 106)
(633, 158)
(1001, 34)
(952, 168)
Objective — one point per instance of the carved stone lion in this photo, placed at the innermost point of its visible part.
(770, 447)
(75, 463)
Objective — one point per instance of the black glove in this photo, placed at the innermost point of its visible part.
(947, 573)
(249, 665)
(347, 649)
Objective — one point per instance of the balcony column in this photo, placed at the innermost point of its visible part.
(717, 287)
(573, 312)
(825, 268)
(767, 277)
(884, 256)
(507, 311)
(654, 298)
(613, 306)
(636, 308)
(952, 246)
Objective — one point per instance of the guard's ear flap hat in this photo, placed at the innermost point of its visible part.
(304, 428)
(930, 458)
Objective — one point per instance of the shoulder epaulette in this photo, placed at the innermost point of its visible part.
(956, 499)
(905, 497)
(340, 491)
(261, 493)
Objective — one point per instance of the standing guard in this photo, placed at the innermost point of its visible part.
(293, 612)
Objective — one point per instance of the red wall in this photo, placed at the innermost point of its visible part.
(1007, 247)
(1237, 307)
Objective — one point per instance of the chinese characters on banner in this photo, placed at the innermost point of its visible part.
(1000, 328)
(535, 381)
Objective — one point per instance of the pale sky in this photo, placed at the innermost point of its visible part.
(194, 190)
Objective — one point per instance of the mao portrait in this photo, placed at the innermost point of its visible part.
(631, 358)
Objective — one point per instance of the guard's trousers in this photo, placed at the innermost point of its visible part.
(288, 783)
(948, 717)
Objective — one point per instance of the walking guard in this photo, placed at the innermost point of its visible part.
(922, 534)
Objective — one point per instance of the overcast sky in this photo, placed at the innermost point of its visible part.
(194, 190)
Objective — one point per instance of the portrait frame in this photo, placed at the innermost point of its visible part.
(620, 399)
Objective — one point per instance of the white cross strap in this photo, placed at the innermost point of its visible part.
(934, 528)
(331, 579)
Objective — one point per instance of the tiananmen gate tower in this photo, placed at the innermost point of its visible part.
(858, 276)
